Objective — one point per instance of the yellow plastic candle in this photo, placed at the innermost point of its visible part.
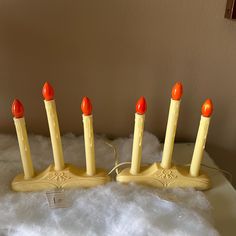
(87, 116)
(141, 108)
(207, 109)
(19, 120)
(50, 105)
(177, 92)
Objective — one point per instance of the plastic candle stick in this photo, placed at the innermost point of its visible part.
(177, 92)
(87, 116)
(141, 108)
(19, 120)
(50, 105)
(58, 174)
(207, 109)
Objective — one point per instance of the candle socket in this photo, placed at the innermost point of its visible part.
(199, 146)
(50, 107)
(170, 134)
(24, 147)
(137, 144)
(156, 176)
(89, 144)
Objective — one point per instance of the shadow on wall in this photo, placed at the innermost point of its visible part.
(225, 159)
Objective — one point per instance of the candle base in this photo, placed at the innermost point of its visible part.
(69, 177)
(154, 175)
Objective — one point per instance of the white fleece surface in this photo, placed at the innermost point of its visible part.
(113, 209)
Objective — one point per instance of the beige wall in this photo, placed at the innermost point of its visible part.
(115, 51)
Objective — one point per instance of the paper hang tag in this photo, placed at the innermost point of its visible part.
(56, 199)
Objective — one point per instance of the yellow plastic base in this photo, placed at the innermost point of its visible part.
(70, 177)
(155, 175)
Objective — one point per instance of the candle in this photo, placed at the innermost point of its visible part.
(141, 108)
(177, 92)
(50, 105)
(19, 120)
(87, 116)
(207, 109)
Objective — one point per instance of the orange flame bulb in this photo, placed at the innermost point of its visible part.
(48, 92)
(17, 109)
(207, 108)
(86, 106)
(177, 91)
(141, 106)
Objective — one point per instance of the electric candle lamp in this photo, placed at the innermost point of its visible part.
(58, 175)
(165, 175)
(141, 108)
(87, 116)
(19, 120)
(177, 92)
(207, 109)
(50, 105)
(61, 175)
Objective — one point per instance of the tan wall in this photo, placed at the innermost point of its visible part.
(115, 51)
